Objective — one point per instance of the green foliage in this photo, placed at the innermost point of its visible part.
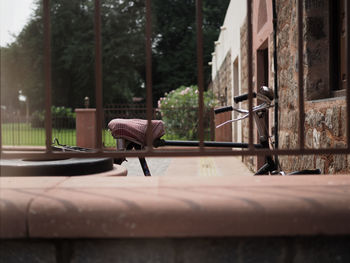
(179, 112)
(73, 54)
(62, 118)
(175, 56)
(123, 50)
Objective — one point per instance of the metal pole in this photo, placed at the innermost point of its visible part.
(200, 77)
(47, 70)
(347, 41)
(98, 74)
(13, 133)
(149, 100)
(275, 77)
(301, 74)
(0, 111)
(250, 71)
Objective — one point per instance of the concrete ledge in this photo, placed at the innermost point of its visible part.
(159, 207)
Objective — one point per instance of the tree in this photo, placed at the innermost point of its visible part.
(175, 59)
(123, 49)
(22, 67)
(8, 95)
(72, 38)
(73, 45)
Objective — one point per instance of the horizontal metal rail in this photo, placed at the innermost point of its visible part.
(173, 153)
(201, 150)
(210, 144)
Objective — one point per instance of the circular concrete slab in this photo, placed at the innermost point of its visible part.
(62, 167)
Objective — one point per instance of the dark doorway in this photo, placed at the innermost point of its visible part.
(262, 80)
(337, 44)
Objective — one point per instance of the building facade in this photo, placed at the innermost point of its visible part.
(324, 78)
(226, 63)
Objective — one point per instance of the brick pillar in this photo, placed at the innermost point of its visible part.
(86, 127)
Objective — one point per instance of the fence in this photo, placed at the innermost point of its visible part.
(180, 123)
(21, 131)
(149, 151)
(128, 111)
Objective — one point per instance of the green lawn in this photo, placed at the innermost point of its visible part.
(22, 134)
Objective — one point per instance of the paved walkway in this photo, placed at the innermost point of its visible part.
(190, 166)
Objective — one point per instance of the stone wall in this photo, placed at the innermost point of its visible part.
(250, 161)
(324, 119)
(223, 81)
(325, 126)
(325, 122)
(244, 62)
(287, 40)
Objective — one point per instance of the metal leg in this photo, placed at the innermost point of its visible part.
(267, 168)
(144, 167)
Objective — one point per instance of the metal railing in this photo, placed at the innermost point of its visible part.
(180, 123)
(128, 111)
(200, 151)
(30, 131)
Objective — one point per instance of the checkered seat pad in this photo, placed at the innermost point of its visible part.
(135, 129)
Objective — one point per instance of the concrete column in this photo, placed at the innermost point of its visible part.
(86, 127)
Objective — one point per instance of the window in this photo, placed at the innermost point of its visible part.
(338, 47)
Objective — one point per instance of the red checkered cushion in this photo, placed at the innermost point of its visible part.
(135, 129)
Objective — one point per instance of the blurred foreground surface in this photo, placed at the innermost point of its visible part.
(189, 166)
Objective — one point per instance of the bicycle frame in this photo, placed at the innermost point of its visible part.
(258, 120)
(259, 112)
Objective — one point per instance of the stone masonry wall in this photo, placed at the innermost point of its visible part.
(325, 126)
(324, 119)
(224, 80)
(287, 79)
(250, 161)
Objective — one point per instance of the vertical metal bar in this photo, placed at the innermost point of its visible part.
(212, 125)
(250, 72)
(13, 132)
(0, 136)
(98, 73)
(301, 74)
(149, 101)
(0, 109)
(347, 50)
(47, 72)
(19, 133)
(200, 77)
(274, 11)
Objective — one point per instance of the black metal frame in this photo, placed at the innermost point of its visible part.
(259, 117)
(201, 150)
